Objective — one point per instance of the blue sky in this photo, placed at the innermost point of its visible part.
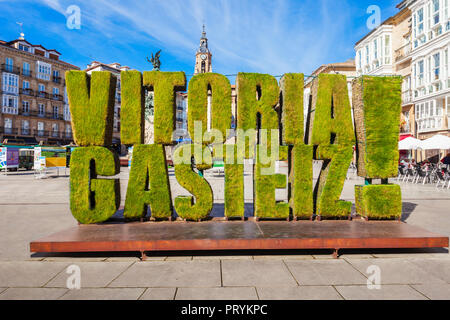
(268, 36)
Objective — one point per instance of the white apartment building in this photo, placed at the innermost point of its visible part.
(430, 82)
(374, 52)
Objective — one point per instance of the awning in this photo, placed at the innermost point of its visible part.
(437, 142)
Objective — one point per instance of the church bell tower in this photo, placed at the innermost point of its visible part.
(203, 56)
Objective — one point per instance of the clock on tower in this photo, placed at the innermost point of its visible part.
(203, 56)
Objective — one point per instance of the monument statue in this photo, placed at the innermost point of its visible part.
(155, 61)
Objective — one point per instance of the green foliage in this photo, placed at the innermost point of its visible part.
(249, 86)
(264, 193)
(383, 201)
(148, 183)
(93, 200)
(301, 177)
(292, 110)
(220, 104)
(164, 85)
(234, 184)
(91, 100)
(201, 154)
(377, 108)
(359, 207)
(196, 185)
(332, 119)
(132, 108)
(331, 181)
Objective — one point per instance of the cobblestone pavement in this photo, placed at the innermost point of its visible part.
(32, 208)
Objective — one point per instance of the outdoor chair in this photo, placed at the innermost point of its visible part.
(442, 179)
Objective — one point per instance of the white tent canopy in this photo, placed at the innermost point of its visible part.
(409, 143)
(437, 142)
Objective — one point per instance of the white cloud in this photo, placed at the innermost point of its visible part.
(273, 36)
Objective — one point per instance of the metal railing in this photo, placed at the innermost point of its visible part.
(10, 68)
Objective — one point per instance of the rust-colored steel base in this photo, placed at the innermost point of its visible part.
(238, 235)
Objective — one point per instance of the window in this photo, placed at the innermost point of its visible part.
(55, 112)
(55, 91)
(25, 127)
(43, 70)
(8, 125)
(41, 88)
(435, 12)
(420, 70)
(26, 69)
(359, 59)
(367, 54)
(25, 107)
(387, 49)
(55, 129)
(375, 49)
(40, 128)
(436, 60)
(25, 84)
(9, 62)
(41, 108)
(10, 83)
(419, 21)
(24, 48)
(10, 104)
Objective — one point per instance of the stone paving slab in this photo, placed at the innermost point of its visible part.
(158, 294)
(386, 292)
(178, 258)
(32, 293)
(397, 271)
(222, 257)
(170, 274)
(256, 273)
(104, 294)
(439, 268)
(224, 293)
(28, 273)
(325, 272)
(284, 257)
(434, 291)
(299, 293)
(93, 274)
(75, 259)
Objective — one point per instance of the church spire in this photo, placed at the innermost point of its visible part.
(203, 55)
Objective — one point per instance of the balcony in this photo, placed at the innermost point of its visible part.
(55, 134)
(402, 52)
(407, 97)
(9, 130)
(57, 97)
(27, 73)
(25, 131)
(26, 91)
(405, 128)
(42, 94)
(10, 69)
(40, 133)
(10, 110)
(68, 135)
(56, 79)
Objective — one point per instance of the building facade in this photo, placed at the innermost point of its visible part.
(34, 105)
(419, 38)
(430, 82)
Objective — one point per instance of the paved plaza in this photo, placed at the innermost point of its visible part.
(33, 208)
